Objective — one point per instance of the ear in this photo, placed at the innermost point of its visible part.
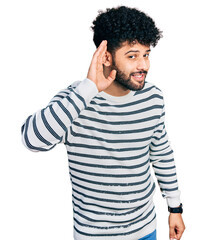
(107, 59)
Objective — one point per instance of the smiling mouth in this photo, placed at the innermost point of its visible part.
(139, 76)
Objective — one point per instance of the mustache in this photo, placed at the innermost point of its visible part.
(140, 72)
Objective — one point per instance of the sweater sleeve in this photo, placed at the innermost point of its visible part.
(163, 163)
(48, 126)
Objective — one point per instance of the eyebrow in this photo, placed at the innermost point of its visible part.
(136, 51)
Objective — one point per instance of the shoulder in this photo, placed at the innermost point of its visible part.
(74, 84)
(64, 92)
(153, 89)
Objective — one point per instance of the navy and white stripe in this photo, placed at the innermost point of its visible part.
(111, 143)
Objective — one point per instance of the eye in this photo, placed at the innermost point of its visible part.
(132, 56)
(146, 55)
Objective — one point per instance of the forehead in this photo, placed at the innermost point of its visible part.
(135, 45)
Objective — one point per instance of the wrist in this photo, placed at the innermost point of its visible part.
(178, 209)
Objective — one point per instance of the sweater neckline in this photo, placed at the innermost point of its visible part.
(117, 98)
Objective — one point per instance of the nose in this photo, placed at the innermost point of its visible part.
(142, 63)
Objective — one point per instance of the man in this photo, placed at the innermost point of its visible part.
(112, 124)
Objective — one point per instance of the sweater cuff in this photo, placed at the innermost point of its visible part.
(87, 89)
(173, 202)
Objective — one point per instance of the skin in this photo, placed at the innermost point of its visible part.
(95, 72)
(176, 226)
(128, 59)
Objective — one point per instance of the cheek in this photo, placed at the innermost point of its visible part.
(128, 68)
(124, 68)
(148, 64)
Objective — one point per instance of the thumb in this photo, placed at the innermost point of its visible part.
(112, 75)
(172, 233)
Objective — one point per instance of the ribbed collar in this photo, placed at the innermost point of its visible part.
(117, 99)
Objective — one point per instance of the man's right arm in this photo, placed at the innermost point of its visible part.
(48, 126)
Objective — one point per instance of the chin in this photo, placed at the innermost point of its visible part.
(136, 86)
(131, 85)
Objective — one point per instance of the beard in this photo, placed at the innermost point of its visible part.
(127, 82)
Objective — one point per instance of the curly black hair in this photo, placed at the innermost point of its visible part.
(117, 25)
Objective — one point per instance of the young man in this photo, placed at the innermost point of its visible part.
(112, 124)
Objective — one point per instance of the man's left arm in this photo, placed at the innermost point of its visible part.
(163, 163)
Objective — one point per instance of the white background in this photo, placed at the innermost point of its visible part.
(47, 44)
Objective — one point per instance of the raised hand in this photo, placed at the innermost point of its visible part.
(95, 72)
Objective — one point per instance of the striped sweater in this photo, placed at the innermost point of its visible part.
(111, 143)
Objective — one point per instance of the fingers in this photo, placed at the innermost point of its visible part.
(176, 226)
(98, 56)
(180, 232)
(101, 53)
(101, 49)
(175, 234)
(112, 75)
(172, 233)
(96, 64)
(179, 236)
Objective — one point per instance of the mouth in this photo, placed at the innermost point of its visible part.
(140, 76)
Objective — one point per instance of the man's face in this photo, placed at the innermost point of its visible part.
(131, 62)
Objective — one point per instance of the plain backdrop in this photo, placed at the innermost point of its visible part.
(45, 45)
